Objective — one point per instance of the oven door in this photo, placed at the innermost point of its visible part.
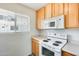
(47, 52)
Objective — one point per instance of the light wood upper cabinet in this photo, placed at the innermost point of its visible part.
(71, 13)
(73, 16)
(48, 11)
(40, 15)
(66, 14)
(58, 9)
(53, 11)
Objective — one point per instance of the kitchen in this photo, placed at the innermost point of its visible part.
(50, 27)
(40, 29)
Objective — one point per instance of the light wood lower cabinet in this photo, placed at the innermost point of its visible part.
(64, 53)
(35, 47)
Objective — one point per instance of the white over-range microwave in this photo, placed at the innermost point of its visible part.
(53, 23)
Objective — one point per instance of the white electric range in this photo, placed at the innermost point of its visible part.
(52, 45)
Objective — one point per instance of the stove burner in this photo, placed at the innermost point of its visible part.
(58, 42)
(55, 44)
(45, 40)
(48, 39)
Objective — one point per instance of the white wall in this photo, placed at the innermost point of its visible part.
(73, 34)
(17, 43)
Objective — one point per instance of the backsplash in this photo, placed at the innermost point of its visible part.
(73, 34)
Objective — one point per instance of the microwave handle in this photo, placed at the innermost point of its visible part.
(56, 23)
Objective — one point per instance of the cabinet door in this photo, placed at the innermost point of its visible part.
(67, 54)
(58, 9)
(40, 15)
(66, 11)
(37, 49)
(48, 11)
(53, 10)
(73, 15)
(33, 47)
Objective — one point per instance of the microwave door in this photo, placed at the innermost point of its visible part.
(53, 24)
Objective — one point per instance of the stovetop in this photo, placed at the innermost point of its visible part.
(54, 42)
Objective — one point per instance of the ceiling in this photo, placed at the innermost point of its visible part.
(35, 6)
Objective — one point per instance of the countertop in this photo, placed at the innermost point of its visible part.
(39, 38)
(69, 47)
